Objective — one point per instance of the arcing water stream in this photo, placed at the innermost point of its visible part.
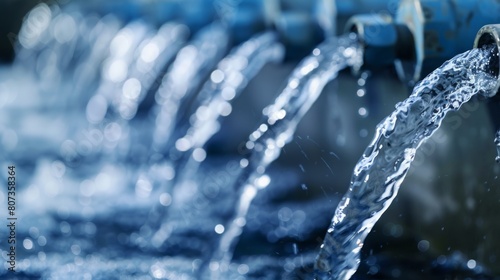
(385, 163)
(225, 83)
(97, 227)
(281, 119)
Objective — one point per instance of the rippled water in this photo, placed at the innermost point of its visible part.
(385, 163)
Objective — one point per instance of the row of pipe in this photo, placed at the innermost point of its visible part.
(424, 34)
(416, 36)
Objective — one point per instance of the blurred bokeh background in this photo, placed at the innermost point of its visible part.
(443, 224)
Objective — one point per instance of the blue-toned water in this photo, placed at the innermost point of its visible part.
(497, 144)
(213, 102)
(281, 119)
(385, 163)
(92, 218)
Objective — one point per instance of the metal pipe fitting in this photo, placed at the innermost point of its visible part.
(304, 24)
(441, 30)
(301, 25)
(490, 35)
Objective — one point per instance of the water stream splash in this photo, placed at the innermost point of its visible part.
(386, 161)
(281, 118)
(213, 102)
(179, 86)
(99, 113)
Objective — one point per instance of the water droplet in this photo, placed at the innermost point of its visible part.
(302, 168)
(150, 52)
(293, 84)
(423, 245)
(361, 82)
(96, 109)
(361, 92)
(241, 222)
(363, 133)
(158, 272)
(225, 109)
(199, 154)
(243, 269)
(219, 229)
(75, 249)
(165, 199)
(363, 112)
(228, 93)
(497, 143)
(244, 162)
(471, 264)
(42, 256)
(217, 76)
(263, 127)
(214, 266)
(116, 70)
(285, 214)
(131, 88)
(183, 144)
(42, 241)
(65, 228)
(34, 232)
(250, 145)
(28, 244)
(263, 181)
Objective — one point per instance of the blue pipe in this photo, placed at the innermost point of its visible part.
(441, 29)
(302, 24)
(430, 32)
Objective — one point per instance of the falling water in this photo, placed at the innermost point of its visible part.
(192, 64)
(114, 72)
(34, 35)
(86, 77)
(386, 161)
(213, 102)
(302, 89)
(136, 60)
(50, 43)
(151, 60)
(226, 82)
